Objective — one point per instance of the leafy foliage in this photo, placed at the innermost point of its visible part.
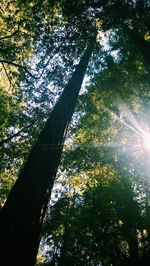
(101, 214)
(102, 211)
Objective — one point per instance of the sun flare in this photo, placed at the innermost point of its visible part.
(146, 141)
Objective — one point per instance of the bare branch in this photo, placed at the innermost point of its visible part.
(56, 51)
(25, 68)
(15, 135)
(19, 66)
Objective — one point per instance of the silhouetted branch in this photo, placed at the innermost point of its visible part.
(19, 66)
(15, 135)
(7, 76)
(9, 36)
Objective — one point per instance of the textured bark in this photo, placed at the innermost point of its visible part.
(142, 45)
(23, 213)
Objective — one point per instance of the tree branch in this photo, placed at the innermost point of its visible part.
(7, 76)
(25, 68)
(19, 66)
(9, 36)
(15, 135)
(46, 64)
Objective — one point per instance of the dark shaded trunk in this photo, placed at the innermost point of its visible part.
(142, 45)
(23, 213)
(133, 246)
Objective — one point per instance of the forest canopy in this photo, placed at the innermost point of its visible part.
(75, 132)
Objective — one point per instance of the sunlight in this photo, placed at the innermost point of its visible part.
(146, 141)
(142, 142)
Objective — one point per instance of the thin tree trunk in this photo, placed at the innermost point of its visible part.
(65, 243)
(142, 45)
(23, 213)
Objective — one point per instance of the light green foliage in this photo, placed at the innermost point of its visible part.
(8, 178)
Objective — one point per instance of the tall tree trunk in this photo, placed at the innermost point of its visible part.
(22, 216)
(64, 249)
(142, 45)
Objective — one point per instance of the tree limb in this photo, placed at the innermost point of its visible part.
(19, 66)
(15, 135)
(7, 75)
(9, 36)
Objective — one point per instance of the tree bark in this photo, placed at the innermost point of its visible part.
(142, 45)
(22, 216)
